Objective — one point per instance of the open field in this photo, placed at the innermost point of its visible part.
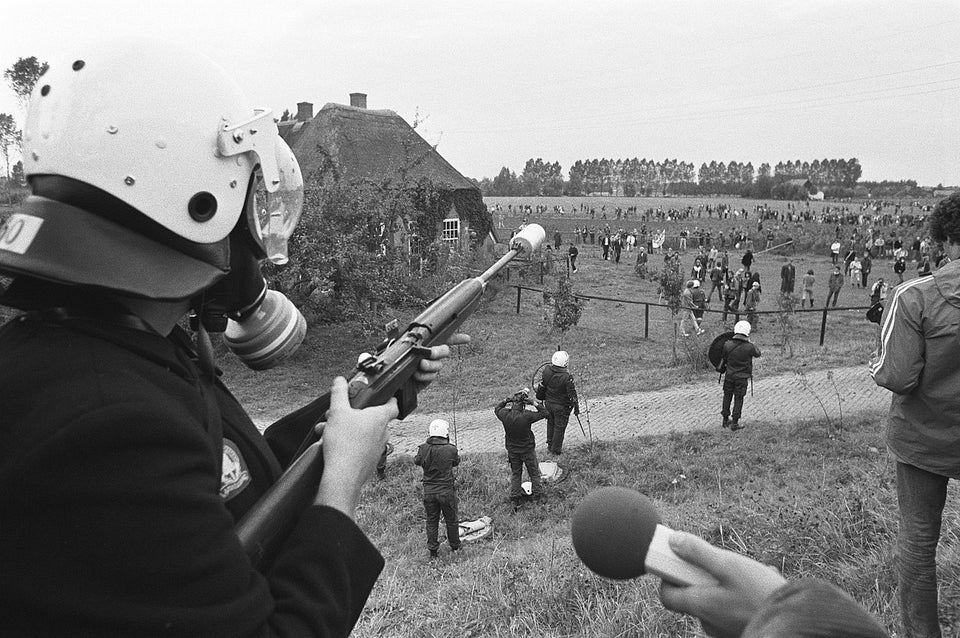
(807, 236)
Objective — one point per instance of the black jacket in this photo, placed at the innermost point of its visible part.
(115, 517)
(437, 457)
(516, 425)
(738, 353)
(559, 389)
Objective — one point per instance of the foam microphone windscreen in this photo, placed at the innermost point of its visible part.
(612, 529)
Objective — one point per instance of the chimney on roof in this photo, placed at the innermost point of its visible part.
(358, 100)
(304, 111)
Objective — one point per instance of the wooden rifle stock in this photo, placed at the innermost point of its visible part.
(386, 373)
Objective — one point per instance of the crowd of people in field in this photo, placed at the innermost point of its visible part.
(886, 212)
(720, 263)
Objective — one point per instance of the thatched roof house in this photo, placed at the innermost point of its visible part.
(355, 143)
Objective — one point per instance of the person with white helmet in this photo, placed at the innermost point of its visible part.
(736, 365)
(125, 463)
(559, 394)
(437, 456)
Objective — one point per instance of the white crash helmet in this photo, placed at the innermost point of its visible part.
(742, 328)
(560, 358)
(167, 132)
(439, 427)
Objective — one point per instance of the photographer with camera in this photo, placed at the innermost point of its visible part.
(520, 442)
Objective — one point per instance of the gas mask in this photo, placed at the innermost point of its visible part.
(261, 326)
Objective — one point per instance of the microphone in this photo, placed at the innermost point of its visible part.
(617, 534)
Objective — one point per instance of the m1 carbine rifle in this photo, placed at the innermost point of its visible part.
(386, 373)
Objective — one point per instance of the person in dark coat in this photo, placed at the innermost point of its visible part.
(437, 456)
(699, 302)
(900, 267)
(125, 462)
(834, 284)
(788, 277)
(521, 443)
(559, 398)
(866, 265)
(747, 260)
(736, 365)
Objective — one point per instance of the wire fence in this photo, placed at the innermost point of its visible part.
(663, 314)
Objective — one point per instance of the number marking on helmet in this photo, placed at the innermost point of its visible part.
(18, 232)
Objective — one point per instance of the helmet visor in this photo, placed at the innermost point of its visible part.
(276, 211)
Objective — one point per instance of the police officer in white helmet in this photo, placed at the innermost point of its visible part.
(736, 364)
(438, 456)
(559, 394)
(124, 461)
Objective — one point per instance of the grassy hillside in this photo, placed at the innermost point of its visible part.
(785, 495)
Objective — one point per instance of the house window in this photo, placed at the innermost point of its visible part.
(451, 230)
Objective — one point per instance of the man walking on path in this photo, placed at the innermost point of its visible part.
(520, 443)
(438, 457)
(736, 365)
(559, 398)
(917, 361)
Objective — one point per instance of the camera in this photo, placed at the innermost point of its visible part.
(520, 397)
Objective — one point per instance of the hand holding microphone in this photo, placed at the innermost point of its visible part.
(617, 534)
(726, 607)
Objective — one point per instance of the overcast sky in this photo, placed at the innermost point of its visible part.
(494, 83)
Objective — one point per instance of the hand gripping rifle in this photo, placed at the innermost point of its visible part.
(386, 373)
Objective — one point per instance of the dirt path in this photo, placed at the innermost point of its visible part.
(849, 392)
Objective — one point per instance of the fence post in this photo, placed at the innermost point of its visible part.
(823, 324)
(518, 298)
(646, 321)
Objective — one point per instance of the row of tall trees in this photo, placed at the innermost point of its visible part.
(826, 172)
(651, 177)
(629, 177)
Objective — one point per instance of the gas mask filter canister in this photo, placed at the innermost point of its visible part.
(267, 336)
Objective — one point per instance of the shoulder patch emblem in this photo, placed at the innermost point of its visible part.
(235, 475)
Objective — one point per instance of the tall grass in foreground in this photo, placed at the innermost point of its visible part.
(784, 495)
